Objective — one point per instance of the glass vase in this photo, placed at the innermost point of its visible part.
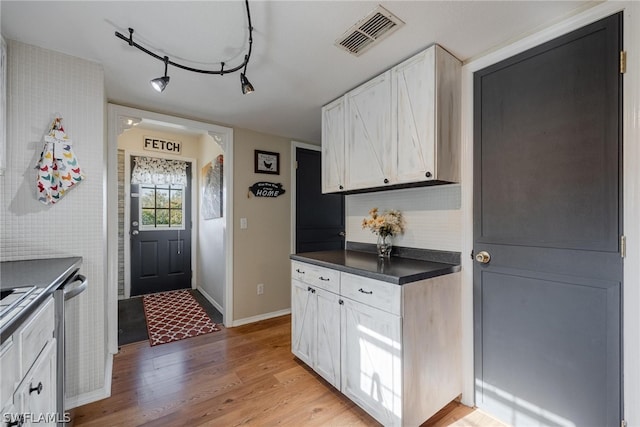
(384, 246)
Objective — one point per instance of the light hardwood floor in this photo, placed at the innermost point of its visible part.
(239, 376)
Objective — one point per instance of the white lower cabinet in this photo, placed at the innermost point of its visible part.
(327, 355)
(371, 357)
(315, 336)
(393, 350)
(37, 393)
(28, 366)
(303, 321)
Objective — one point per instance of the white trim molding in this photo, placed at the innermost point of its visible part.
(260, 317)
(210, 299)
(631, 190)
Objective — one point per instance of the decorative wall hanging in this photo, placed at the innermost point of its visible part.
(58, 168)
(155, 171)
(212, 204)
(160, 83)
(267, 162)
(266, 189)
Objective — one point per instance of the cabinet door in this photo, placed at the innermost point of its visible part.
(333, 129)
(37, 393)
(371, 356)
(369, 145)
(414, 92)
(328, 337)
(303, 322)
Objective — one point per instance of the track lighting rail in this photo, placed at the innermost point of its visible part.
(167, 61)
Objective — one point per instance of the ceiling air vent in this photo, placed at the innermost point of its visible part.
(369, 31)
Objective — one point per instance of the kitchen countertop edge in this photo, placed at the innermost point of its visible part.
(14, 323)
(422, 269)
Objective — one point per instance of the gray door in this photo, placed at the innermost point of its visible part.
(547, 209)
(319, 217)
(160, 237)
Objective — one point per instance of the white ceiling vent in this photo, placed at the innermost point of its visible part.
(369, 31)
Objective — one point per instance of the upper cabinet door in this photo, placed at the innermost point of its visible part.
(333, 133)
(369, 147)
(415, 117)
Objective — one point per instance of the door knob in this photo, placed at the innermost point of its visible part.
(135, 223)
(483, 257)
(135, 232)
(342, 234)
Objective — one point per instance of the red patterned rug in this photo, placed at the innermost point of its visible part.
(173, 316)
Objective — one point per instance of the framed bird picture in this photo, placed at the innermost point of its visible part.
(267, 162)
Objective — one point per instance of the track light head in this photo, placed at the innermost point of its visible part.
(247, 87)
(160, 83)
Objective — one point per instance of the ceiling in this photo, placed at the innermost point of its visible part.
(295, 67)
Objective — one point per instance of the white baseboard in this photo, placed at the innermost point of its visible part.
(95, 395)
(210, 299)
(259, 317)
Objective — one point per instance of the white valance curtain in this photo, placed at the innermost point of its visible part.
(149, 170)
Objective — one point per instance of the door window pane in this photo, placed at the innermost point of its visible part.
(148, 197)
(148, 217)
(176, 198)
(162, 197)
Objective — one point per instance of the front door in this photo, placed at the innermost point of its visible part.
(160, 237)
(547, 227)
(319, 217)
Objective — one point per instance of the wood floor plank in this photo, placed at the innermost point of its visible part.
(244, 376)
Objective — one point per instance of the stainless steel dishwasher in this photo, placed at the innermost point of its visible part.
(72, 287)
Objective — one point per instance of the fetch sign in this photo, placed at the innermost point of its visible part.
(162, 145)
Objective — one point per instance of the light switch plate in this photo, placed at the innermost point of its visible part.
(243, 223)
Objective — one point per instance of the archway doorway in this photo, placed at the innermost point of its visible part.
(121, 120)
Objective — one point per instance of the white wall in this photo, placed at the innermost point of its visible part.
(41, 84)
(211, 256)
(432, 216)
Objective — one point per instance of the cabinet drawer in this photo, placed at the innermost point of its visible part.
(382, 295)
(321, 277)
(9, 368)
(36, 334)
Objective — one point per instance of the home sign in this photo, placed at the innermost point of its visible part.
(162, 145)
(267, 189)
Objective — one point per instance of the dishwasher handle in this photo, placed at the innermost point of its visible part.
(76, 287)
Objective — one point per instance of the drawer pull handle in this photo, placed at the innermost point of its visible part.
(341, 302)
(365, 292)
(38, 388)
(299, 271)
(310, 289)
(324, 280)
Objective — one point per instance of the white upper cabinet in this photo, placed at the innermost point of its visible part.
(401, 128)
(369, 142)
(333, 130)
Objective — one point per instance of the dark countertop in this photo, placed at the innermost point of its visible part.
(395, 270)
(47, 274)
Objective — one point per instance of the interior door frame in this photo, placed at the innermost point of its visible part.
(631, 187)
(294, 146)
(121, 118)
(127, 213)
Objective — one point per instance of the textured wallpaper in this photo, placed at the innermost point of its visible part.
(41, 85)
